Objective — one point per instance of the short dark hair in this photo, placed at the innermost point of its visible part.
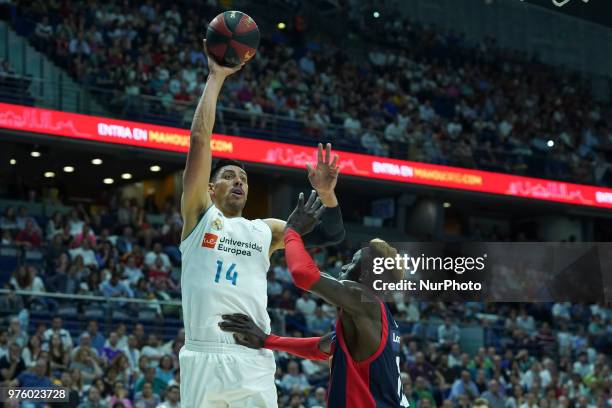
(222, 163)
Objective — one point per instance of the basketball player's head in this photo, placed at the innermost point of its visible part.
(229, 187)
(359, 270)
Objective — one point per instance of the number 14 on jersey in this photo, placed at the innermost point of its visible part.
(231, 274)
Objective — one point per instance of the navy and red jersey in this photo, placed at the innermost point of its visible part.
(372, 383)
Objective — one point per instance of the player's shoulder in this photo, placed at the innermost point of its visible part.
(369, 304)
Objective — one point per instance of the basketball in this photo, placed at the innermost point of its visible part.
(232, 38)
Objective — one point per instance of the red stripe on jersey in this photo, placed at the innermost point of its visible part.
(357, 391)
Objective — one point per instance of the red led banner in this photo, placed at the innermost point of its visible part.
(105, 130)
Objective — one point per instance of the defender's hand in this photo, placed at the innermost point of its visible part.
(246, 332)
(306, 216)
(324, 176)
(217, 69)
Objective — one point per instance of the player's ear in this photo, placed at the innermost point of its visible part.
(211, 189)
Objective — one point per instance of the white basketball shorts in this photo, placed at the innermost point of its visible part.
(215, 375)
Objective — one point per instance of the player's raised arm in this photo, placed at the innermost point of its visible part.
(323, 178)
(304, 271)
(195, 197)
(248, 334)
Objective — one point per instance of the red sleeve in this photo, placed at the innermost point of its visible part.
(307, 348)
(303, 269)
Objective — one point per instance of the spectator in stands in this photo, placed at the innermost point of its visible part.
(153, 350)
(12, 365)
(65, 280)
(15, 334)
(493, 396)
(36, 377)
(114, 287)
(151, 257)
(464, 386)
(165, 370)
(93, 399)
(126, 241)
(159, 271)
(88, 255)
(305, 305)
(536, 376)
(87, 365)
(72, 389)
(158, 386)
(171, 239)
(85, 343)
(146, 398)
(66, 236)
(318, 323)
(111, 349)
(525, 322)
(55, 250)
(8, 222)
(172, 398)
(545, 340)
(562, 310)
(421, 368)
(7, 238)
(448, 333)
(97, 339)
(91, 286)
(319, 399)
(25, 278)
(132, 272)
(372, 144)
(120, 396)
(86, 234)
(23, 217)
(29, 236)
(32, 352)
(58, 355)
(352, 125)
(274, 287)
(77, 218)
(56, 329)
(582, 367)
(293, 379)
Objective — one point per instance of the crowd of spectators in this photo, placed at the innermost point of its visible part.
(434, 97)
(14, 88)
(529, 355)
(116, 253)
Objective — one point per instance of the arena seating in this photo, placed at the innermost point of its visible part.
(424, 94)
(565, 347)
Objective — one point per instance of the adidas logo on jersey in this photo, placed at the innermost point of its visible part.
(210, 240)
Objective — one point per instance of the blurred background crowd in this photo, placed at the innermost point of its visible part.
(101, 315)
(125, 354)
(419, 92)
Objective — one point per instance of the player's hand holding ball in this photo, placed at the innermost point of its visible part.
(231, 40)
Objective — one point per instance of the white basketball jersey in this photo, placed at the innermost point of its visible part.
(224, 266)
